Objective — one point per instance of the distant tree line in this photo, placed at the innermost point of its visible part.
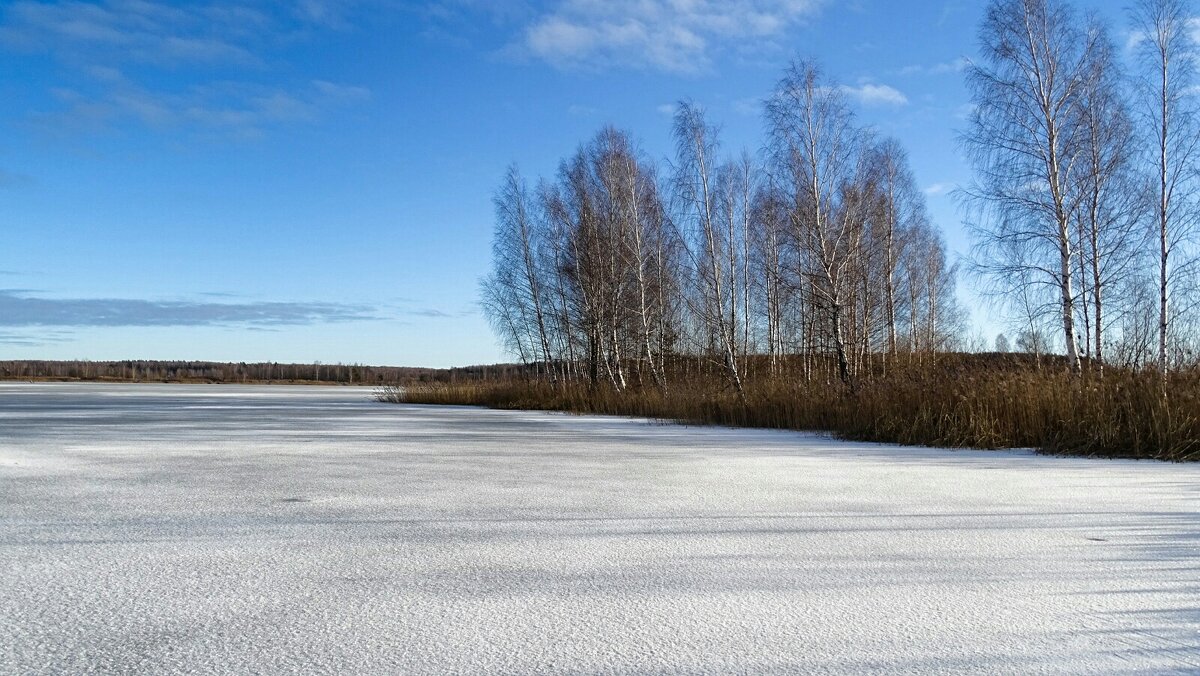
(263, 372)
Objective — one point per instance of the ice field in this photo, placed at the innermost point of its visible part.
(242, 529)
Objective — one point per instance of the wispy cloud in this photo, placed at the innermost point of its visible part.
(217, 55)
(944, 68)
(749, 106)
(938, 189)
(25, 308)
(950, 8)
(136, 30)
(341, 92)
(451, 22)
(956, 66)
(432, 313)
(236, 109)
(674, 36)
(1134, 40)
(332, 14)
(875, 94)
(508, 13)
(426, 313)
(16, 339)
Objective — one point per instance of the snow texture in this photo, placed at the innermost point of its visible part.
(201, 529)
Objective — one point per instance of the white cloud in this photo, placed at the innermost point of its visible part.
(956, 66)
(874, 95)
(209, 48)
(676, 36)
(938, 189)
(1134, 39)
(143, 31)
(341, 92)
(231, 109)
(25, 309)
(667, 109)
(750, 106)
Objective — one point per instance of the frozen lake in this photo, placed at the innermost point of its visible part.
(170, 528)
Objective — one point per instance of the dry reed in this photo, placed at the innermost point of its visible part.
(963, 402)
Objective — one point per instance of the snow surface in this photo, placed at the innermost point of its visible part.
(171, 529)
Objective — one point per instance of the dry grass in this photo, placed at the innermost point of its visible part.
(958, 402)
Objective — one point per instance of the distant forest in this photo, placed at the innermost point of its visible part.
(265, 372)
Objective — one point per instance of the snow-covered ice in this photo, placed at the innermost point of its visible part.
(170, 528)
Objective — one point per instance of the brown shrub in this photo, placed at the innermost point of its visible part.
(956, 402)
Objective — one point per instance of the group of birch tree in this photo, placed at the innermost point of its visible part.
(1083, 205)
(814, 259)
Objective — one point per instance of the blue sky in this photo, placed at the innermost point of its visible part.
(247, 180)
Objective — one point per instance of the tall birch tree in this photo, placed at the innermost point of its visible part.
(1025, 139)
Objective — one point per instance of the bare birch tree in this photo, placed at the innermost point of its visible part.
(768, 238)
(1024, 137)
(815, 152)
(711, 244)
(902, 208)
(1110, 230)
(1168, 68)
(514, 291)
(629, 191)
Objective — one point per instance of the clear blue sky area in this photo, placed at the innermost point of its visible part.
(243, 180)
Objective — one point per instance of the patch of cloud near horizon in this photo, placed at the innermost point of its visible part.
(675, 36)
(23, 308)
(27, 340)
(116, 50)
